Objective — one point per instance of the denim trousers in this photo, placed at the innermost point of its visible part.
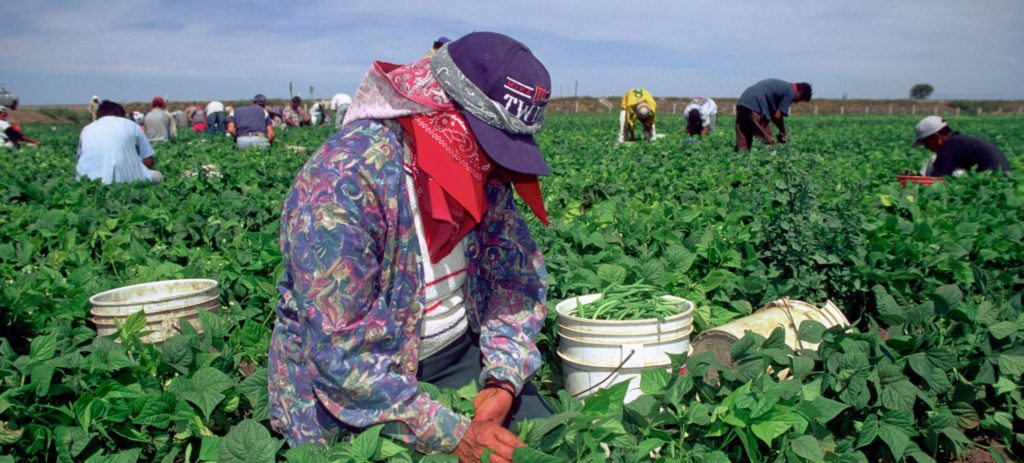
(216, 123)
(251, 141)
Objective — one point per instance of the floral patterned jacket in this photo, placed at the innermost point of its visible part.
(343, 353)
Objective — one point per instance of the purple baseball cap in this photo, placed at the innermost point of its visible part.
(510, 76)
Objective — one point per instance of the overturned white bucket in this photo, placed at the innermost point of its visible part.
(599, 353)
(785, 313)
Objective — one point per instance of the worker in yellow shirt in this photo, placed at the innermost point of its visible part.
(637, 104)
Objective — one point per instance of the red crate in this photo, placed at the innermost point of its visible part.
(921, 179)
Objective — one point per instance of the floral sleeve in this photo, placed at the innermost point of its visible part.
(506, 289)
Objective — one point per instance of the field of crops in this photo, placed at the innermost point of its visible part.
(931, 277)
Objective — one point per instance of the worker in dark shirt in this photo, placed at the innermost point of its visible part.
(954, 150)
(251, 125)
(764, 103)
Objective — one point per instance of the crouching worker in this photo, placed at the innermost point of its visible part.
(115, 149)
(701, 116)
(251, 125)
(407, 260)
(637, 104)
(956, 153)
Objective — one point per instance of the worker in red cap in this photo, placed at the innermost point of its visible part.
(158, 123)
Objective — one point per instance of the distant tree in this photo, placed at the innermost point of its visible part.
(921, 91)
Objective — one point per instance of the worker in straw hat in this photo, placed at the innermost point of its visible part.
(637, 105)
(406, 258)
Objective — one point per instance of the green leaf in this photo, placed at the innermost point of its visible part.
(680, 258)
(868, 431)
(133, 325)
(254, 388)
(604, 400)
(653, 381)
(1011, 362)
(946, 298)
(888, 310)
(646, 446)
(532, 455)
(127, 456)
(1004, 385)
(988, 313)
(306, 452)
(1003, 329)
(811, 331)
(899, 395)
(208, 448)
(71, 440)
(611, 274)
(801, 366)
(157, 410)
(821, 409)
(248, 442)
(206, 388)
(177, 351)
(43, 347)
(808, 448)
(213, 326)
(364, 446)
(717, 278)
(775, 423)
(42, 375)
(895, 438)
(717, 456)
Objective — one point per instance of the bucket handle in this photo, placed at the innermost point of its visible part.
(796, 329)
(606, 378)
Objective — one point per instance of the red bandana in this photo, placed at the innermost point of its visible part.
(450, 171)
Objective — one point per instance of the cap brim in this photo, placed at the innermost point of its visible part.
(515, 152)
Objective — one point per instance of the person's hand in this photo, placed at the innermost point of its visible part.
(492, 405)
(483, 435)
(782, 137)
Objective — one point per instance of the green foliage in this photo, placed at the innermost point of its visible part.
(937, 269)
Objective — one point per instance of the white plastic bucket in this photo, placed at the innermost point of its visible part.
(599, 353)
(163, 302)
(783, 312)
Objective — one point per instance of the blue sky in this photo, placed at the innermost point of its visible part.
(61, 52)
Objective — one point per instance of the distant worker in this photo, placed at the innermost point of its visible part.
(295, 115)
(277, 117)
(764, 103)
(113, 149)
(137, 116)
(158, 124)
(317, 113)
(94, 104)
(251, 125)
(701, 116)
(10, 134)
(637, 104)
(339, 104)
(216, 118)
(956, 153)
(180, 119)
(437, 44)
(199, 119)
